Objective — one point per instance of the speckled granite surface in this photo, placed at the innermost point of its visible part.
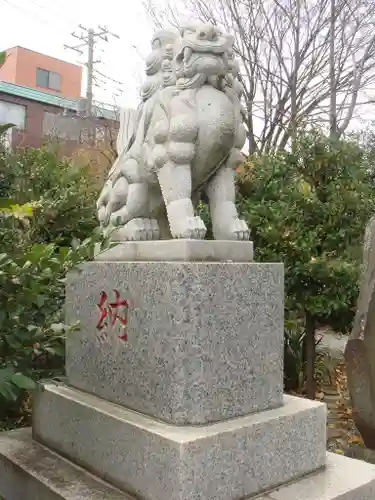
(204, 340)
(154, 460)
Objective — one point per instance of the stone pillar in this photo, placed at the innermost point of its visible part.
(174, 387)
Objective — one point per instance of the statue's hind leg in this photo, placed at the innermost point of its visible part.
(133, 221)
(138, 229)
(129, 214)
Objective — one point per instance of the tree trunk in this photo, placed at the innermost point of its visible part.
(294, 83)
(332, 73)
(309, 354)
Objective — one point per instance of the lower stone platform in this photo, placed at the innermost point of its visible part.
(154, 460)
(342, 479)
(29, 471)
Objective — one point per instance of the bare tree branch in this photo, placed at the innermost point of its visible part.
(302, 62)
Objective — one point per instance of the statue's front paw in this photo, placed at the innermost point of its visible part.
(240, 230)
(190, 228)
(231, 229)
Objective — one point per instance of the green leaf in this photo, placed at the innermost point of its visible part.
(3, 56)
(7, 126)
(6, 373)
(8, 391)
(12, 341)
(40, 300)
(58, 327)
(57, 350)
(6, 203)
(23, 382)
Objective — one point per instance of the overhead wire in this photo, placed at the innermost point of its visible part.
(49, 23)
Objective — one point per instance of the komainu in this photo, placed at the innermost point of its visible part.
(186, 137)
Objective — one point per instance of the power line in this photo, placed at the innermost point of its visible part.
(51, 25)
(109, 78)
(56, 12)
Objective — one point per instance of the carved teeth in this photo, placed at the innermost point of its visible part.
(188, 52)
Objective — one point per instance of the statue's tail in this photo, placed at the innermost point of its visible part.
(114, 194)
(122, 193)
(128, 119)
(126, 134)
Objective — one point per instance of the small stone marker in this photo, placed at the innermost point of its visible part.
(360, 348)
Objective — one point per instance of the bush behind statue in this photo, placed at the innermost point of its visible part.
(308, 208)
(63, 196)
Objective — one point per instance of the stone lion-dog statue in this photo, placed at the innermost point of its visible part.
(185, 137)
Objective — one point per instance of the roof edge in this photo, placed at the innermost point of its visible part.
(42, 54)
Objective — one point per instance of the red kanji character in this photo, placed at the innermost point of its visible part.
(103, 311)
(115, 307)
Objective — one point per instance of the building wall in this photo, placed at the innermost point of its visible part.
(9, 69)
(32, 135)
(21, 68)
(39, 124)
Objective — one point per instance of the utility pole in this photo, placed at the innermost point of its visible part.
(88, 38)
(90, 69)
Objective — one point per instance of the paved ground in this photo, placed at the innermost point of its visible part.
(333, 343)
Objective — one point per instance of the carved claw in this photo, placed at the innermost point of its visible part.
(138, 230)
(191, 228)
(232, 229)
(120, 217)
(102, 214)
(240, 230)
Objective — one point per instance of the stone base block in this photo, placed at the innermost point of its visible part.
(342, 479)
(157, 461)
(180, 250)
(29, 471)
(183, 342)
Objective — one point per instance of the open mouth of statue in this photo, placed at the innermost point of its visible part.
(186, 54)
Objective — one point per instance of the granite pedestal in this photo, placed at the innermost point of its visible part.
(174, 391)
(204, 339)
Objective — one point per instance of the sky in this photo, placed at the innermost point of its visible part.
(46, 25)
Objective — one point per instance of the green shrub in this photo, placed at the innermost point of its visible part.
(294, 335)
(63, 196)
(46, 205)
(32, 329)
(308, 209)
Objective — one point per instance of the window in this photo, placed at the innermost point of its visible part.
(48, 80)
(13, 113)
